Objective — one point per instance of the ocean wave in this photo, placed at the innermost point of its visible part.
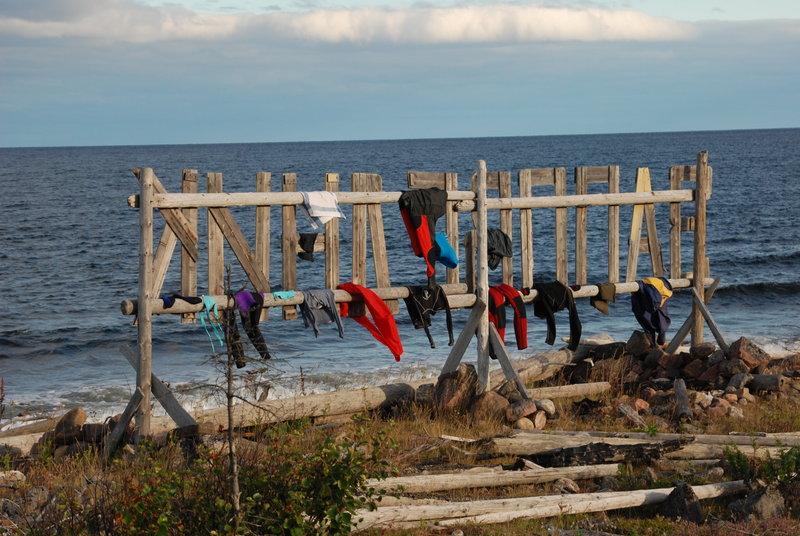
(761, 289)
(774, 258)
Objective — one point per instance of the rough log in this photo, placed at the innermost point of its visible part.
(46, 425)
(632, 415)
(683, 409)
(493, 478)
(766, 382)
(326, 404)
(500, 510)
(764, 440)
(601, 452)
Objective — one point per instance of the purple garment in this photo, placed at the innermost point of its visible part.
(244, 301)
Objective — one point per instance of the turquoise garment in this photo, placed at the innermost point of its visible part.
(209, 308)
(283, 294)
(447, 254)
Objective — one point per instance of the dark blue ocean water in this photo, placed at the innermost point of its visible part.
(69, 242)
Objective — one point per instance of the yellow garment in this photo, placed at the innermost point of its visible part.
(660, 287)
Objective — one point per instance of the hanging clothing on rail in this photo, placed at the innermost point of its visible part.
(209, 316)
(447, 255)
(420, 209)
(499, 297)
(649, 306)
(318, 308)
(169, 299)
(306, 243)
(320, 208)
(606, 292)
(423, 302)
(551, 298)
(498, 245)
(382, 326)
(250, 305)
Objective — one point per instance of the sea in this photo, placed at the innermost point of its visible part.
(69, 257)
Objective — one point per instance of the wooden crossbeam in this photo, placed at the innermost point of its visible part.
(238, 243)
(179, 224)
(653, 247)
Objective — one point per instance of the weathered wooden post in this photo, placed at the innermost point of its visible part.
(482, 279)
(145, 307)
(699, 268)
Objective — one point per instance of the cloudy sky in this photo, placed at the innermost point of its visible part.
(112, 72)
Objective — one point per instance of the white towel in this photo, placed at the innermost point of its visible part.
(320, 207)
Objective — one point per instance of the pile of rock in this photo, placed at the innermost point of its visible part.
(717, 383)
(456, 392)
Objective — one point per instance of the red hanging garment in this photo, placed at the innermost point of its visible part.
(384, 328)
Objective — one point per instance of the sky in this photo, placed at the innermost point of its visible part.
(142, 72)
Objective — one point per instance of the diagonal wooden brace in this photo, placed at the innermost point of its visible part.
(162, 393)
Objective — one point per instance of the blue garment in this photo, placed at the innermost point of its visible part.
(447, 254)
(646, 304)
(283, 295)
(211, 313)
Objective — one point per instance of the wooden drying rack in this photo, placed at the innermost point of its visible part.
(180, 211)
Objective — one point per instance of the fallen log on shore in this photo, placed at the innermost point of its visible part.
(764, 440)
(493, 478)
(503, 510)
(530, 443)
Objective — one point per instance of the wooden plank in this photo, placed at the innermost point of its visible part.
(482, 278)
(675, 271)
(238, 243)
(374, 183)
(145, 326)
(162, 393)
(263, 184)
(698, 302)
(175, 219)
(686, 327)
(506, 225)
(451, 226)
(505, 362)
(699, 261)
(332, 238)
(524, 179)
(188, 264)
(613, 227)
(464, 338)
(288, 245)
(426, 179)
(469, 255)
(561, 228)
(359, 240)
(653, 244)
(122, 425)
(581, 188)
(162, 258)
(216, 243)
(642, 185)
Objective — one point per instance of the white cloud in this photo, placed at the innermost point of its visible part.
(124, 21)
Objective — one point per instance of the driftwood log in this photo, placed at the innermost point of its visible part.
(527, 444)
(493, 478)
(600, 452)
(683, 409)
(503, 510)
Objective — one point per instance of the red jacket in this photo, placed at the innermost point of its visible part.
(499, 297)
(384, 329)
